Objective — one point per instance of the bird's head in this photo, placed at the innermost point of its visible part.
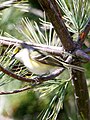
(15, 51)
(22, 52)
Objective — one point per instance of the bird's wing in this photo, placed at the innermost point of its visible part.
(40, 56)
(52, 60)
(49, 59)
(45, 58)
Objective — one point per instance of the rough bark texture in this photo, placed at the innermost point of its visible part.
(81, 93)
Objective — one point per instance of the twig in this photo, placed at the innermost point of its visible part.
(49, 49)
(37, 79)
(11, 74)
(34, 84)
(84, 33)
(16, 91)
(10, 41)
(82, 54)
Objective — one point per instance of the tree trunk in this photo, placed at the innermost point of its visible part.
(81, 93)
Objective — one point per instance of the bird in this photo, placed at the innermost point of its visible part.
(37, 62)
(40, 62)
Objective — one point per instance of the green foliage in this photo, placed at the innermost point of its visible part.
(76, 14)
(57, 90)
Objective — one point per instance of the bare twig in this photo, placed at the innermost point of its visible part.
(11, 74)
(10, 41)
(36, 79)
(82, 54)
(49, 49)
(17, 91)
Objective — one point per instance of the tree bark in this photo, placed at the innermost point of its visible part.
(81, 93)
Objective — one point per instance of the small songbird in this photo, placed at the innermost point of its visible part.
(36, 61)
(39, 62)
